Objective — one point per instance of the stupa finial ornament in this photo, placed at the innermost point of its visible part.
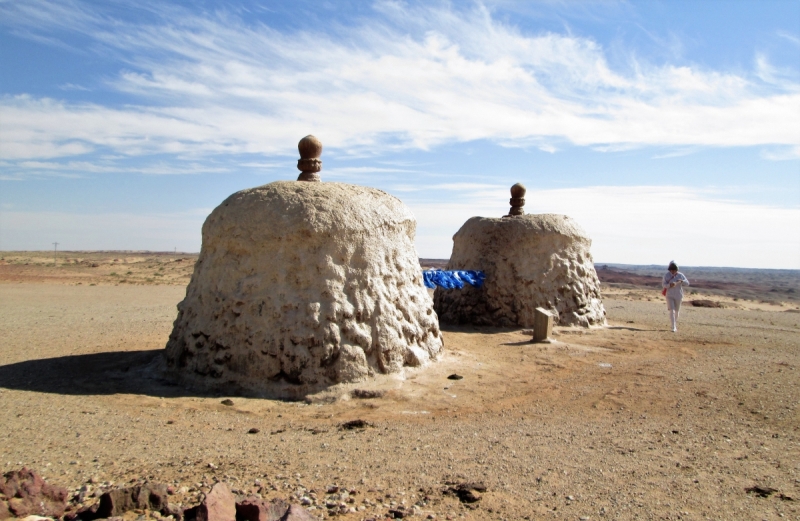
(309, 163)
(517, 200)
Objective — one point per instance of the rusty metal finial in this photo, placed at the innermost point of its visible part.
(517, 200)
(309, 163)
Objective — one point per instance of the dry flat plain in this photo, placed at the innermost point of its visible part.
(629, 421)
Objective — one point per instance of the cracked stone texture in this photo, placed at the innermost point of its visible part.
(300, 286)
(530, 261)
(25, 493)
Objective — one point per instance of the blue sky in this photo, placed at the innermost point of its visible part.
(669, 130)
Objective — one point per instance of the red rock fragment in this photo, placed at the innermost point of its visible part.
(5, 513)
(28, 494)
(218, 505)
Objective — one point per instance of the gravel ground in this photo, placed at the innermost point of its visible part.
(629, 421)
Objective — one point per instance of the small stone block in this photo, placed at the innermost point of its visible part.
(542, 325)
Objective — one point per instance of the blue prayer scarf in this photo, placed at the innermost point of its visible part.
(452, 279)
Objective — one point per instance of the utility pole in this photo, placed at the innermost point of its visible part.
(55, 249)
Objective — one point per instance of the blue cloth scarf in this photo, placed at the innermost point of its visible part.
(452, 279)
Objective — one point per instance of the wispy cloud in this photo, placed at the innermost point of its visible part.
(791, 37)
(357, 170)
(72, 86)
(409, 77)
(76, 169)
(482, 188)
(680, 152)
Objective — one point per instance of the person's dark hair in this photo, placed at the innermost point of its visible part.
(672, 266)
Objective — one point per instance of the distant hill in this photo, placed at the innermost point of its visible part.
(439, 264)
(745, 283)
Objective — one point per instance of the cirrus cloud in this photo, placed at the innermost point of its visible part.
(408, 77)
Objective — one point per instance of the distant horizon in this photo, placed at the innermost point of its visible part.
(596, 263)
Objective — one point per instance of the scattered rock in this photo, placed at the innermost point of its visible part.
(367, 393)
(83, 513)
(254, 430)
(218, 505)
(467, 492)
(227, 401)
(297, 513)
(175, 511)
(254, 509)
(455, 377)
(760, 491)
(147, 496)
(478, 486)
(704, 303)
(115, 503)
(468, 496)
(354, 424)
(28, 494)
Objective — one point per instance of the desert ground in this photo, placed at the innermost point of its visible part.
(628, 421)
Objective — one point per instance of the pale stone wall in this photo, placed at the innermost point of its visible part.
(300, 286)
(530, 261)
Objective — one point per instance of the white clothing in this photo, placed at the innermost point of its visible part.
(680, 281)
(674, 296)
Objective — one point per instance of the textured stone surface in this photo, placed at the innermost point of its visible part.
(297, 513)
(255, 509)
(542, 324)
(218, 505)
(300, 286)
(28, 494)
(530, 261)
(149, 496)
(116, 502)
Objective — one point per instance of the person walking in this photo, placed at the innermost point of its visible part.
(673, 284)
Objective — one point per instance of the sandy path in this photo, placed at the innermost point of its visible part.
(630, 421)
